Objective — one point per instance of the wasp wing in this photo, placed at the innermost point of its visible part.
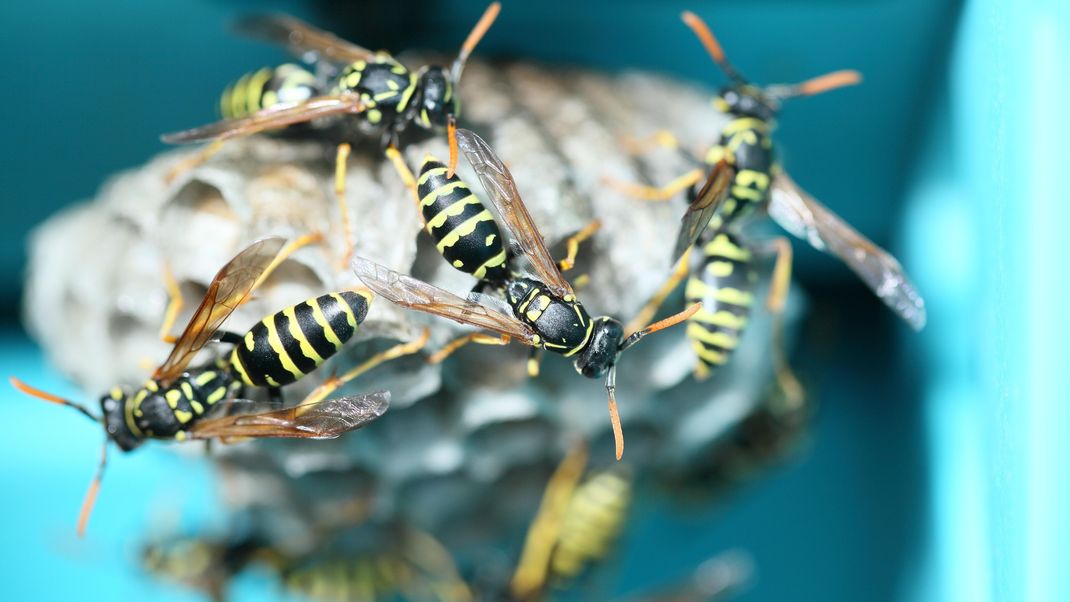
(708, 200)
(228, 290)
(271, 118)
(499, 184)
(300, 38)
(409, 292)
(803, 216)
(325, 419)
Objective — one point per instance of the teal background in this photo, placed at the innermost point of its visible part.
(936, 468)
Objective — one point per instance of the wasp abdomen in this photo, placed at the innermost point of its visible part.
(725, 288)
(464, 231)
(283, 347)
(268, 87)
(593, 520)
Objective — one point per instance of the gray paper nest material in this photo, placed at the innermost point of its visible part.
(457, 434)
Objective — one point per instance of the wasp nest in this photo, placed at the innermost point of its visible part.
(468, 444)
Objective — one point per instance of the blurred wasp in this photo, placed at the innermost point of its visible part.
(577, 523)
(742, 177)
(180, 403)
(545, 311)
(381, 94)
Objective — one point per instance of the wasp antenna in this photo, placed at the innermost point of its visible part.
(451, 136)
(817, 85)
(713, 47)
(614, 415)
(473, 38)
(672, 320)
(49, 397)
(94, 489)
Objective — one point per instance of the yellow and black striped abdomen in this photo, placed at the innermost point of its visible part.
(285, 346)
(268, 87)
(593, 520)
(724, 283)
(361, 577)
(464, 231)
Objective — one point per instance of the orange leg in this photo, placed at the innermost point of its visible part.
(475, 337)
(654, 193)
(193, 161)
(573, 244)
(775, 302)
(343, 207)
(334, 382)
(647, 313)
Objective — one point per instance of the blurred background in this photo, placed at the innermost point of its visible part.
(935, 467)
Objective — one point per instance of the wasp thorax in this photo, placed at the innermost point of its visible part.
(516, 290)
(113, 406)
(602, 350)
(745, 101)
(436, 102)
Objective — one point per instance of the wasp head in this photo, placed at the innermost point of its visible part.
(602, 351)
(745, 100)
(437, 101)
(113, 411)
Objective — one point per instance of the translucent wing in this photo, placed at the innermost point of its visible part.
(326, 419)
(270, 119)
(801, 214)
(231, 285)
(410, 292)
(708, 200)
(499, 184)
(300, 38)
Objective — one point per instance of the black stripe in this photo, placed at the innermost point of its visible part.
(314, 334)
(262, 360)
(445, 202)
(293, 346)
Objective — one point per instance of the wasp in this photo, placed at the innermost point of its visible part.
(545, 313)
(742, 176)
(372, 93)
(206, 402)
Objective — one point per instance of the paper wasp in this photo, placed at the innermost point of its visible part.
(372, 93)
(743, 176)
(545, 311)
(205, 402)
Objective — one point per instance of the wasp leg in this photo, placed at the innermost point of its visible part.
(654, 193)
(275, 394)
(533, 361)
(475, 337)
(407, 178)
(647, 313)
(284, 254)
(573, 244)
(190, 162)
(174, 304)
(659, 139)
(580, 282)
(778, 294)
(334, 382)
(340, 161)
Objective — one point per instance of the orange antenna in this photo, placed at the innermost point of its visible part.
(451, 137)
(94, 489)
(49, 397)
(473, 38)
(672, 320)
(713, 47)
(817, 85)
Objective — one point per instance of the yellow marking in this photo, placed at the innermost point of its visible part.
(204, 379)
(431, 173)
(187, 390)
(751, 177)
(116, 393)
(750, 194)
(269, 99)
(457, 263)
(528, 298)
(173, 396)
(183, 416)
(128, 417)
(495, 261)
(744, 137)
(583, 343)
(321, 320)
(256, 89)
(489, 242)
(424, 118)
(720, 104)
(708, 355)
(728, 208)
(375, 116)
(725, 319)
(720, 338)
(406, 94)
(250, 340)
(348, 311)
(180, 436)
(387, 95)
(295, 332)
(744, 124)
(718, 153)
(196, 405)
(152, 385)
(722, 246)
(216, 395)
(276, 345)
(236, 363)
(720, 268)
(271, 381)
(699, 290)
(392, 84)
(236, 92)
(453, 210)
(466, 228)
